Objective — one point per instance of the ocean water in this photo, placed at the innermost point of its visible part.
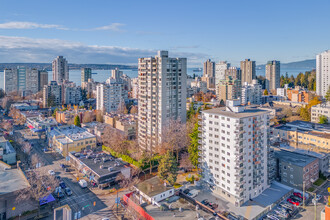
(103, 75)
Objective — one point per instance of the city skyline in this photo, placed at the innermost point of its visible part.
(191, 31)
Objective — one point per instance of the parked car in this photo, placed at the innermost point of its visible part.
(82, 183)
(186, 191)
(57, 177)
(205, 202)
(296, 198)
(318, 197)
(68, 191)
(298, 195)
(51, 172)
(193, 193)
(62, 185)
(58, 192)
(293, 202)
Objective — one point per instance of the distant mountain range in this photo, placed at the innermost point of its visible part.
(72, 66)
(304, 64)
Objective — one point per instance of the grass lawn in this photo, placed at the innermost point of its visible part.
(319, 182)
(311, 189)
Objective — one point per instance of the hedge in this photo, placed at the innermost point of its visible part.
(143, 163)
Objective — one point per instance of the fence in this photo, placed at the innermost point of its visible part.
(137, 208)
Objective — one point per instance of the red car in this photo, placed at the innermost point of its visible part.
(298, 194)
(292, 202)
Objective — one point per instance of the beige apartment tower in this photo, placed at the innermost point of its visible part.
(209, 74)
(273, 75)
(248, 68)
(162, 96)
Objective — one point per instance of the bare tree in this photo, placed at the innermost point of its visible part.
(174, 137)
(116, 140)
(6, 103)
(134, 109)
(185, 162)
(99, 116)
(88, 116)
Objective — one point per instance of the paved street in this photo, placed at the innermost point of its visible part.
(82, 199)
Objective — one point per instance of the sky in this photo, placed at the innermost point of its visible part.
(119, 32)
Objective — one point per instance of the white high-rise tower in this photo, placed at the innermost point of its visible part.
(322, 73)
(60, 69)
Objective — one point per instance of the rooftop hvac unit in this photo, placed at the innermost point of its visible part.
(101, 167)
(110, 169)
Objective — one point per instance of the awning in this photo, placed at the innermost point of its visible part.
(46, 199)
(30, 126)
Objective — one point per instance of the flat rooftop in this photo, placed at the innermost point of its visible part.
(304, 130)
(95, 160)
(188, 211)
(11, 180)
(71, 133)
(306, 125)
(250, 209)
(153, 186)
(248, 112)
(297, 159)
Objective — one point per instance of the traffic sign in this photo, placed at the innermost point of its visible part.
(117, 201)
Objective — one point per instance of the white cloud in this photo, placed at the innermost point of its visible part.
(23, 49)
(29, 25)
(112, 27)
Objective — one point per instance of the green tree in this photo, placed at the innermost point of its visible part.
(193, 147)
(305, 113)
(323, 119)
(77, 121)
(54, 113)
(266, 92)
(191, 111)
(168, 168)
(327, 95)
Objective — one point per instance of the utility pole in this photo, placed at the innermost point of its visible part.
(117, 202)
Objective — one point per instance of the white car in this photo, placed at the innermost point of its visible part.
(318, 197)
(51, 172)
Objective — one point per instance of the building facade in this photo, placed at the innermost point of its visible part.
(209, 74)
(248, 68)
(126, 123)
(251, 93)
(60, 69)
(273, 75)
(233, 72)
(220, 71)
(86, 74)
(229, 89)
(52, 94)
(109, 96)
(21, 79)
(162, 96)
(318, 110)
(322, 73)
(233, 151)
(43, 79)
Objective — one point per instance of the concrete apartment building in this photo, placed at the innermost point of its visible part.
(90, 87)
(251, 93)
(233, 151)
(126, 123)
(86, 74)
(21, 79)
(220, 71)
(68, 138)
(108, 96)
(52, 94)
(162, 96)
(229, 89)
(273, 75)
(72, 94)
(43, 79)
(233, 72)
(322, 73)
(318, 110)
(135, 88)
(198, 85)
(295, 169)
(60, 69)
(209, 74)
(69, 115)
(248, 68)
(305, 135)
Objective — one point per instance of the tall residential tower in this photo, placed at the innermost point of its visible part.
(273, 75)
(322, 73)
(248, 68)
(162, 96)
(60, 69)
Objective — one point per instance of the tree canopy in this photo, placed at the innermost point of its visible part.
(193, 147)
(77, 121)
(323, 119)
(168, 168)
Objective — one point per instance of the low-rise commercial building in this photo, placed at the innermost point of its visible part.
(70, 138)
(7, 152)
(154, 190)
(296, 169)
(13, 182)
(126, 123)
(40, 124)
(100, 167)
(95, 127)
(305, 135)
(69, 115)
(23, 106)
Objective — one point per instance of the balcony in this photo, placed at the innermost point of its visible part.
(200, 141)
